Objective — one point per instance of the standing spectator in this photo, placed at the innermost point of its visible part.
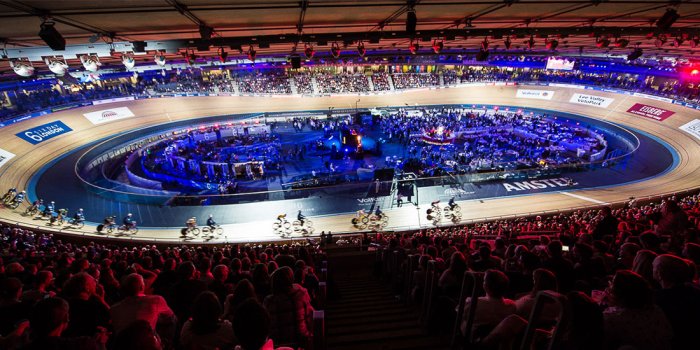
(290, 310)
(607, 225)
(183, 293)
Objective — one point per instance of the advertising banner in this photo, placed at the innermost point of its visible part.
(109, 115)
(44, 132)
(5, 156)
(591, 100)
(535, 94)
(692, 128)
(650, 112)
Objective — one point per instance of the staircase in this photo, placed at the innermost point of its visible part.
(314, 84)
(236, 90)
(293, 86)
(371, 84)
(441, 79)
(366, 315)
(391, 83)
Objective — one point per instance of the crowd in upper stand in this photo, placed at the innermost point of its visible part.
(278, 81)
(630, 275)
(59, 295)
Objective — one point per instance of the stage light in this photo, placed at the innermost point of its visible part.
(361, 49)
(438, 46)
(413, 47)
(56, 65)
(530, 42)
(91, 63)
(552, 44)
(485, 44)
(223, 55)
(635, 54)
(309, 51)
(251, 53)
(621, 43)
(51, 36)
(335, 50)
(507, 43)
(159, 59)
(23, 68)
(602, 42)
(128, 61)
(666, 21)
(694, 72)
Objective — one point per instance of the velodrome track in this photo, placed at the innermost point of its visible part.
(685, 176)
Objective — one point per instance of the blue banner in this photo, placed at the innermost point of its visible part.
(44, 132)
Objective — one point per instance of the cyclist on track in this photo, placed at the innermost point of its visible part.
(191, 223)
(129, 221)
(452, 203)
(19, 198)
(10, 194)
(301, 218)
(50, 209)
(361, 213)
(378, 212)
(79, 216)
(211, 223)
(37, 204)
(435, 203)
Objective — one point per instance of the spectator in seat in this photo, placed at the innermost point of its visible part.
(492, 308)
(643, 265)
(88, 312)
(679, 299)
(12, 310)
(183, 293)
(625, 259)
(139, 335)
(631, 318)
(244, 290)
(251, 326)
(451, 279)
(138, 306)
(562, 267)
(290, 310)
(206, 330)
(673, 221)
(48, 323)
(44, 281)
(542, 279)
(607, 225)
(484, 260)
(261, 281)
(219, 285)
(166, 278)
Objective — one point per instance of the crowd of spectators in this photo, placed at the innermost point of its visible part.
(630, 275)
(59, 295)
(342, 83)
(277, 82)
(414, 80)
(264, 83)
(381, 82)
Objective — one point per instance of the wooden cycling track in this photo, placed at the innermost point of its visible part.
(685, 176)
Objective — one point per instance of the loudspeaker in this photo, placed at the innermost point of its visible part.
(411, 22)
(138, 46)
(52, 37)
(296, 61)
(667, 20)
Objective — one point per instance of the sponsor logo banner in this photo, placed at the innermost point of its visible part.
(535, 94)
(572, 86)
(591, 100)
(44, 132)
(651, 112)
(652, 97)
(692, 128)
(5, 156)
(109, 115)
(538, 184)
(112, 100)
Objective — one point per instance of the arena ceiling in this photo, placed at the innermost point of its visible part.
(577, 26)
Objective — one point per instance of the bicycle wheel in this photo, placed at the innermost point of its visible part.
(457, 209)
(276, 226)
(218, 230)
(79, 225)
(195, 231)
(365, 219)
(385, 219)
(134, 230)
(287, 225)
(309, 224)
(110, 229)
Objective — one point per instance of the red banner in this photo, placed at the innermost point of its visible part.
(652, 112)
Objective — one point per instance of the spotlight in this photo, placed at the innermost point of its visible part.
(90, 62)
(128, 61)
(485, 44)
(361, 49)
(56, 65)
(23, 68)
(507, 43)
(530, 42)
(602, 42)
(621, 43)
(413, 47)
(251, 53)
(635, 54)
(437, 46)
(309, 51)
(223, 55)
(159, 59)
(666, 21)
(51, 36)
(335, 50)
(552, 44)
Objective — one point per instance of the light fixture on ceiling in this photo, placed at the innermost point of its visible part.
(361, 49)
(602, 42)
(635, 54)
(667, 19)
(223, 55)
(51, 36)
(507, 43)
(309, 51)
(91, 63)
(159, 58)
(621, 43)
(22, 67)
(438, 46)
(56, 65)
(335, 50)
(530, 42)
(485, 44)
(551, 44)
(128, 60)
(413, 47)
(251, 53)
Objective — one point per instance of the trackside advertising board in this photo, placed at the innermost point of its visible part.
(650, 112)
(109, 115)
(591, 100)
(535, 94)
(692, 128)
(5, 156)
(44, 132)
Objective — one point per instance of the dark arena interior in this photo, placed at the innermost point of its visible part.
(367, 174)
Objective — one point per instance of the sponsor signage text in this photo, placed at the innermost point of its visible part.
(109, 115)
(5, 156)
(44, 132)
(537, 184)
(591, 100)
(693, 128)
(651, 112)
(535, 94)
